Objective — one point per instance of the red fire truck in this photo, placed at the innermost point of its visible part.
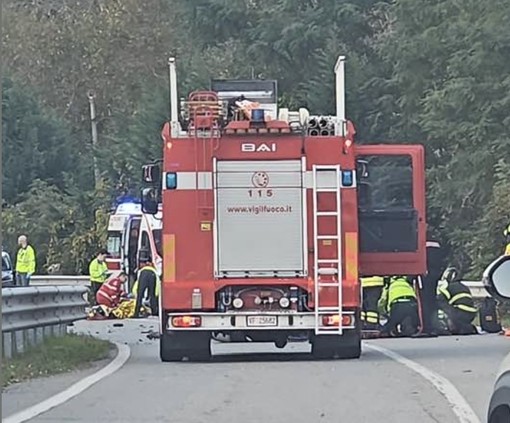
(270, 218)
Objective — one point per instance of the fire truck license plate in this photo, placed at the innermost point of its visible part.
(262, 321)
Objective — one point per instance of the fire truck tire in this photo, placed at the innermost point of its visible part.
(176, 346)
(331, 346)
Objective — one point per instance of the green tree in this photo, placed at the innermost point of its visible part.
(450, 87)
(37, 144)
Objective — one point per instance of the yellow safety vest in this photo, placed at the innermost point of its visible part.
(25, 260)
(134, 291)
(98, 271)
(507, 249)
(398, 289)
(372, 281)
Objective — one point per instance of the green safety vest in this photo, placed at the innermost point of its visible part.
(134, 291)
(398, 289)
(25, 260)
(98, 271)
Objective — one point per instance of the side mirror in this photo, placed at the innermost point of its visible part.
(496, 278)
(151, 174)
(150, 200)
(362, 168)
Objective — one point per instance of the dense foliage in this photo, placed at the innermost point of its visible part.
(434, 72)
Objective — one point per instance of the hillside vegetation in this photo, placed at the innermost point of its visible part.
(432, 72)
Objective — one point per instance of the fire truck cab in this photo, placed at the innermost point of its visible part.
(271, 216)
(130, 232)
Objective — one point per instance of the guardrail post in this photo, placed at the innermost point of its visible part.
(7, 344)
(39, 335)
(18, 342)
(31, 341)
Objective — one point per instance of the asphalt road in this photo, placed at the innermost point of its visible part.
(271, 385)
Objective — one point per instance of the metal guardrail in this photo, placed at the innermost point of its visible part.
(29, 314)
(477, 288)
(58, 280)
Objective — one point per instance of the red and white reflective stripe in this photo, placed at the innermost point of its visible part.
(103, 297)
(193, 180)
(204, 180)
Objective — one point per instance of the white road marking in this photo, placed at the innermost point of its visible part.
(76, 389)
(460, 406)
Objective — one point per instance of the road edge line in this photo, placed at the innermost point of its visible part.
(460, 406)
(123, 354)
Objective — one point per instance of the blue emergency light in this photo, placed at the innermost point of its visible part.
(347, 178)
(171, 180)
(128, 208)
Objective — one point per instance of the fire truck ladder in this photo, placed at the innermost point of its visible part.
(327, 270)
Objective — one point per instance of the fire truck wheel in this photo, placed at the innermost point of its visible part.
(176, 346)
(331, 346)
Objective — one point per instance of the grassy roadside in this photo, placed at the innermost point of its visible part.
(54, 355)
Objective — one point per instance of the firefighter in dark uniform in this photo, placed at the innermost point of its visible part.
(398, 300)
(455, 300)
(372, 289)
(147, 281)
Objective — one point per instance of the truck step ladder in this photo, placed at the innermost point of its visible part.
(327, 270)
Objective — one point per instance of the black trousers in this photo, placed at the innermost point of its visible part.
(94, 287)
(429, 304)
(369, 312)
(404, 314)
(460, 322)
(149, 286)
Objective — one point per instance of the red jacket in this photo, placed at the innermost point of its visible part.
(110, 293)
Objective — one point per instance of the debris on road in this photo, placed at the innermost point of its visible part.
(152, 334)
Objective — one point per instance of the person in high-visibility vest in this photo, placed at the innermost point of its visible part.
(456, 302)
(372, 289)
(98, 272)
(506, 232)
(25, 262)
(398, 300)
(147, 280)
(134, 290)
